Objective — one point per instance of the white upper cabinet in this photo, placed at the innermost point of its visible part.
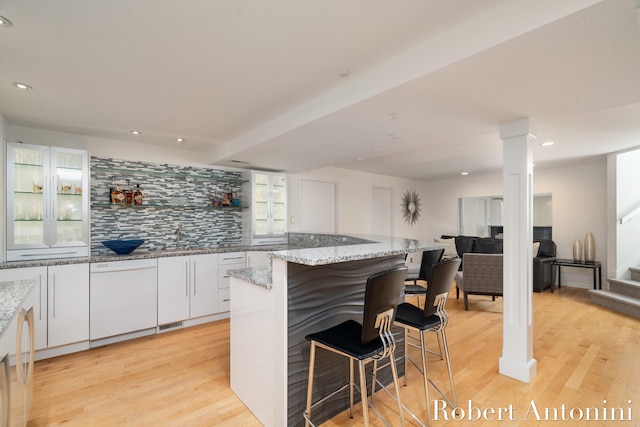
(47, 202)
(268, 207)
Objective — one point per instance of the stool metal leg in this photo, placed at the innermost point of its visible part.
(363, 393)
(351, 379)
(425, 376)
(312, 362)
(445, 345)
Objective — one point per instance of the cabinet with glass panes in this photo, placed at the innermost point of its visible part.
(47, 202)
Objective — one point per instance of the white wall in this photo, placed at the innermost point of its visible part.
(579, 197)
(354, 200)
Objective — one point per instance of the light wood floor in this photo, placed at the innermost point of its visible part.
(586, 354)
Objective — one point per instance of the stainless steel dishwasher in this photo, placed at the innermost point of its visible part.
(123, 297)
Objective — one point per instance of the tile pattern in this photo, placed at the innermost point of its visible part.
(172, 195)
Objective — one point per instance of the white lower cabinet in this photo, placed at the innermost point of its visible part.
(226, 262)
(39, 274)
(187, 287)
(204, 284)
(16, 376)
(173, 289)
(68, 304)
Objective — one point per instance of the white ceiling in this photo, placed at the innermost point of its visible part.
(258, 81)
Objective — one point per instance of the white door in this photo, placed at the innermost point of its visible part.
(317, 206)
(381, 212)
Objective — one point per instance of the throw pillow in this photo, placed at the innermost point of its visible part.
(536, 247)
(450, 250)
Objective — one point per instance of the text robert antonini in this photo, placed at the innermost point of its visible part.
(562, 412)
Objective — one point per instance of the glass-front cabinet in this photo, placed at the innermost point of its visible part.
(47, 202)
(269, 208)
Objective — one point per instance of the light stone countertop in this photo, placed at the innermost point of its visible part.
(107, 257)
(12, 295)
(363, 248)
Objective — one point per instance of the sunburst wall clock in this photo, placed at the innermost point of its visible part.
(411, 207)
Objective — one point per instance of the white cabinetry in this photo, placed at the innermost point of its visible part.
(47, 202)
(258, 259)
(228, 261)
(268, 208)
(39, 274)
(68, 296)
(187, 287)
(173, 289)
(16, 379)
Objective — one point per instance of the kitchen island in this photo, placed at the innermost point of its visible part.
(305, 290)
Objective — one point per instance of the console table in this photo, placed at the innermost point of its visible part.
(596, 266)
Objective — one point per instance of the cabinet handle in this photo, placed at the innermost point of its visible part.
(226, 299)
(195, 278)
(54, 295)
(40, 296)
(233, 257)
(186, 279)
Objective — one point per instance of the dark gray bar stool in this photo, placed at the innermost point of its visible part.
(370, 341)
(432, 318)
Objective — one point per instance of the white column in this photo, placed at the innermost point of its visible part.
(517, 344)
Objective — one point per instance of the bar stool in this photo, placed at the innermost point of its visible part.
(432, 318)
(429, 259)
(370, 341)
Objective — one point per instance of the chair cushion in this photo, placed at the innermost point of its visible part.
(464, 244)
(411, 315)
(547, 248)
(450, 251)
(345, 337)
(488, 245)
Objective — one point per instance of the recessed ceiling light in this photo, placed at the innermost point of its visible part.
(393, 135)
(22, 86)
(547, 144)
(136, 132)
(345, 72)
(394, 116)
(4, 22)
(464, 173)
(179, 140)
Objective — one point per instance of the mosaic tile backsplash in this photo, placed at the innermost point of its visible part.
(172, 196)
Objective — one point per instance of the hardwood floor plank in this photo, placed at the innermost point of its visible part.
(586, 354)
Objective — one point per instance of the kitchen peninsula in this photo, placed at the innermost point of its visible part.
(305, 290)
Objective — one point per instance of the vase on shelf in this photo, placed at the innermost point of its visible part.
(577, 251)
(589, 248)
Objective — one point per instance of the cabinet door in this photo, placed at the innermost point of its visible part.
(204, 284)
(173, 289)
(27, 196)
(68, 308)
(39, 274)
(69, 197)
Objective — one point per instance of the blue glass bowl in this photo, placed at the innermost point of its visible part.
(122, 247)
